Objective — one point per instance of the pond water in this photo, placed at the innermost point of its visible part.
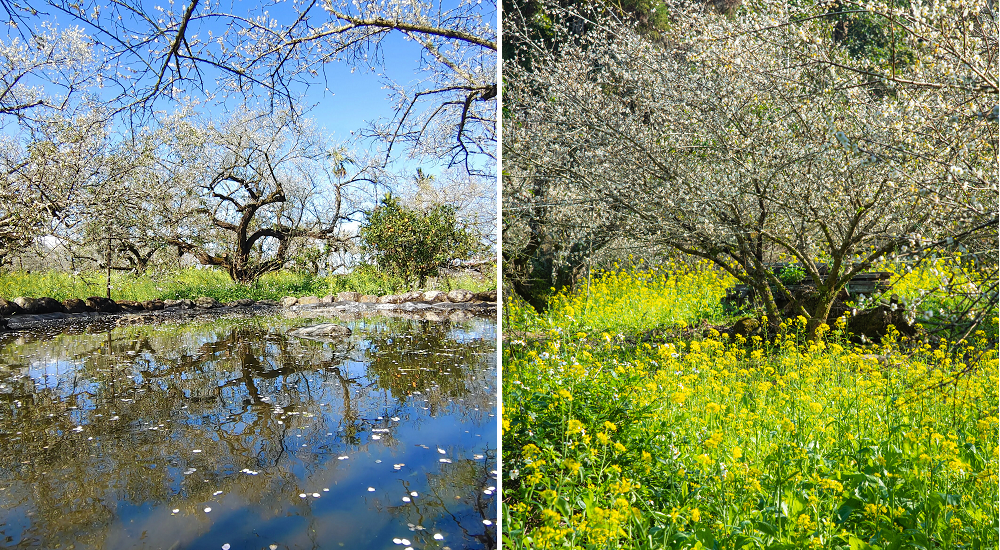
(232, 434)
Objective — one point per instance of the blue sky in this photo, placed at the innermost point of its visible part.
(346, 102)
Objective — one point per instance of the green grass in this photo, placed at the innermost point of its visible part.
(194, 283)
(712, 443)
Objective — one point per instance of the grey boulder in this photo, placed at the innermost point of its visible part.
(413, 296)
(435, 296)
(207, 302)
(348, 296)
(325, 330)
(104, 305)
(9, 308)
(459, 295)
(75, 305)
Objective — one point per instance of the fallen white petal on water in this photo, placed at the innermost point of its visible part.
(195, 450)
(379, 461)
(326, 489)
(404, 541)
(273, 547)
(175, 510)
(395, 419)
(397, 541)
(438, 536)
(315, 495)
(217, 493)
(445, 460)
(413, 493)
(344, 457)
(487, 492)
(406, 499)
(225, 546)
(78, 429)
(302, 495)
(208, 509)
(376, 437)
(408, 548)
(478, 457)
(442, 451)
(371, 489)
(487, 522)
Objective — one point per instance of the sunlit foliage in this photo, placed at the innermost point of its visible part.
(716, 442)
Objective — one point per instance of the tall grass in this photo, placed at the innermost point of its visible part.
(194, 283)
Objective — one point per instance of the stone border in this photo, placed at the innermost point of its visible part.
(456, 305)
(456, 296)
(165, 315)
(429, 311)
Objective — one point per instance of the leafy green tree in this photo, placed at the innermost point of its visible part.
(416, 243)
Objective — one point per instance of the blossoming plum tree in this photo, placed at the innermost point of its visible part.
(739, 139)
(271, 52)
(244, 193)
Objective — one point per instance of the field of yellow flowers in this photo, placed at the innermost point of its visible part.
(610, 441)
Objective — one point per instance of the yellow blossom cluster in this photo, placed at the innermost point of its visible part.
(793, 442)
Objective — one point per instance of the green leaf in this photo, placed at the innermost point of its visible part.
(846, 509)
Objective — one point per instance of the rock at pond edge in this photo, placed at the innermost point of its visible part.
(8, 308)
(435, 296)
(131, 305)
(486, 296)
(207, 302)
(75, 305)
(348, 296)
(102, 304)
(459, 295)
(325, 330)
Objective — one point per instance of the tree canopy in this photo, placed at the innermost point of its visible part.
(415, 243)
(739, 139)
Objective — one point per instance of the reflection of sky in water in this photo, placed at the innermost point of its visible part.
(232, 433)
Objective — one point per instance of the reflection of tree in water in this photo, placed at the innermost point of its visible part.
(434, 364)
(104, 418)
(124, 421)
(448, 496)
